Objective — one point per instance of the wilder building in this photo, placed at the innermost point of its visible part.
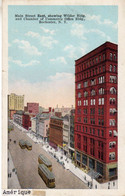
(96, 111)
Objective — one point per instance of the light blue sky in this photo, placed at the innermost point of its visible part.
(44, 54)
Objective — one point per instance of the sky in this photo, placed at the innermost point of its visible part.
(41, 56)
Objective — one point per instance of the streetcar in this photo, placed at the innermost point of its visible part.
(46, 175)
(22, 144)
(28, 145)
(43, 160)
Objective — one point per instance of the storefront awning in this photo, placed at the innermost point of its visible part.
(111, 166)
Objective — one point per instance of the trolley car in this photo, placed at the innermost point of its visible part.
(28, 145)
(22, 144)
(46, 175)
(43, 160)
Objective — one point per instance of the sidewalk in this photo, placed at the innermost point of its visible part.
(67, 164)
(13, 182)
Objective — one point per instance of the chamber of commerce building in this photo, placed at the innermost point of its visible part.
(96, 112)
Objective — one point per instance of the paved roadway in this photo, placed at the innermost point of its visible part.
(26, 164)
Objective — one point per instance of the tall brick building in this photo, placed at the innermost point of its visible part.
(96, 111)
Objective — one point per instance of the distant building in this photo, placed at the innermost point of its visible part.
(26, 121)
(41, 109)
(42, 124)
(58, 114)
(56, 132)
(18, 117)
(22, 119)
(15, 103)
(25, 109)
(43, 127)
(64, 110)
(11, 113)
(33, 108)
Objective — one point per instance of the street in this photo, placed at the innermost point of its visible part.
(26, 164)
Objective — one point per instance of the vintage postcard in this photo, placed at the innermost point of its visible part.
(62, 74)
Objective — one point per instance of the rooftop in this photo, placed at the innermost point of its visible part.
(103, 45)
(55, 117)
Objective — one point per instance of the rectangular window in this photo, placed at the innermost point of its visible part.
(99, 57)
(99, 101)
(103, 56)
(79, 86)
(98, 132)
(115, 57)
(86, 84)
(111, 56)
(84, 159)
(102, 101)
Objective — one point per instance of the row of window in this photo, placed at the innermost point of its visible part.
(92, 102)
(95, 60)
(112, 122)
(92, 152)
(89, 141)
(91, 130)
(93, 92)
(95, 131)
(94, 72)
(92, 111)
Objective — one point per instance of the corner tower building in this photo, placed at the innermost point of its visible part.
(96, 112)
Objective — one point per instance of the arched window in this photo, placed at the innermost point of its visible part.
(112, 90)
(114, 68)
(79, 95)
(93, 92)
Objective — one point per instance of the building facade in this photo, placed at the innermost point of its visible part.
(66, 133)
(33, 124)
(11, 114)
(33, 108)
(96, 111)
(71, 134)
(43, 128)
(56, 132)
(26, 121)
(15, 102)
(18, 117)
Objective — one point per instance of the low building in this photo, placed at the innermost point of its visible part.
(18, 117)
(26, 122)
(11, 113)
(42, 124)
(56, 132)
